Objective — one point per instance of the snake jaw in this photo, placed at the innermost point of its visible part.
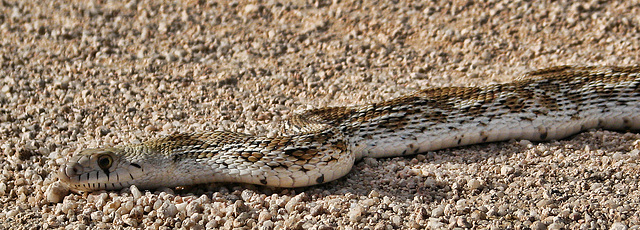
(87, 171)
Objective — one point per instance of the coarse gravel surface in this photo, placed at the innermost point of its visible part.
(82, 74)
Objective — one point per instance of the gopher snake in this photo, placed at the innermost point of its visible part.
(545, 104)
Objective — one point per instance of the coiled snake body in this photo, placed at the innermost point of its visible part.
(542, 105)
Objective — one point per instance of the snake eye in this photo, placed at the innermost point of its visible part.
(105, 161)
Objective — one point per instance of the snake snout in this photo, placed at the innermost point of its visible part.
(69, 171)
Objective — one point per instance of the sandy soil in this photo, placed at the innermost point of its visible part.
(75, 75)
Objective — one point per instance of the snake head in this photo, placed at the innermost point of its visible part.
(99, 169)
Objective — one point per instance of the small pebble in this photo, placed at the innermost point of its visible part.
(3, 189)
(507, 170)
(396, 220)
(293, 202)
(555, 226)
(537, 225)
(135, 192)
(374, 193)
(437, 212)
(370, 161)
(168, 210)
(474, 184)
(316, 210)
(355, 213)
(56, 192)
(435, 224)
(618, 226)
(264, 216)
(478, 215)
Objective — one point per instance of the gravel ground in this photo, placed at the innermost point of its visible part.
(76, 75)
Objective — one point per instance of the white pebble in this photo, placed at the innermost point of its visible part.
(462, 202)
(554, 226)
(111, 206)
(96, 216)
(167, 127)
(437, 212)
(355, 213)
(3, 188)
(618, 156)
(369, 202)
(526, 143)
(12, 213)
(135, 192)
(250, 9)
(157, 205)
(267, 224)
(374, 194)
(128, 205)
(618, 226)
(474, 184)
(634, 154)
(538, 226)
(168, 210)
(291, 205)
(370, 161)
(182, 207)
(55, 192)
(435, 224)
(507, 170)
(397, 220)
(264, 216)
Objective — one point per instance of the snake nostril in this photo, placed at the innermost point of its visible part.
(73, 170)
(77, 169)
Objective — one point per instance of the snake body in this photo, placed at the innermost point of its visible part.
(546, 104)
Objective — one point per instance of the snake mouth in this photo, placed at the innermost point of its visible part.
(79, 179)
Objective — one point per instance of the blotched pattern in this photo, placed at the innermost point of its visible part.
(324, 143)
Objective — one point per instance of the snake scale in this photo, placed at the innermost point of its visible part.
(324, 143)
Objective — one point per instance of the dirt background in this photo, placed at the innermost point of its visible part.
(78, 74)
